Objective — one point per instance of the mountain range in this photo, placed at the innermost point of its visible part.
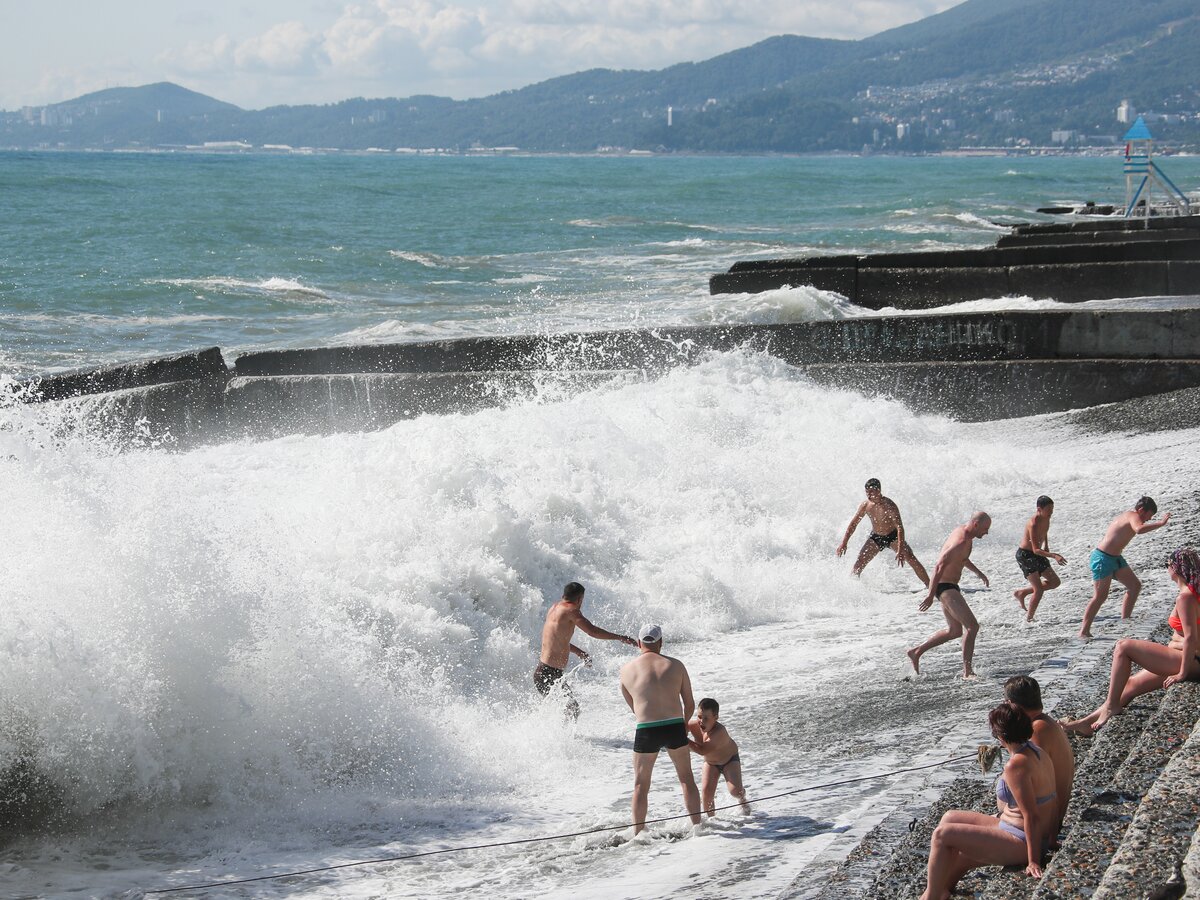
(985, 72)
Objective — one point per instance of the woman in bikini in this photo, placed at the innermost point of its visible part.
(1025, 796)
(1161, 666)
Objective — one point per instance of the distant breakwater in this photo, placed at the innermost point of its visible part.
(1069, 262)
(974, 367)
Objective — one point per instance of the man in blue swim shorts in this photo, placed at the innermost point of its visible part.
(659, 691)
(1107, 562)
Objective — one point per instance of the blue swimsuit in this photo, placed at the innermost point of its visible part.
(1004, 795)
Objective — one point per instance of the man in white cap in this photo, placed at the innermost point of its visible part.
(659, 691)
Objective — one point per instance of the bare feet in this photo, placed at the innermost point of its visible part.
(1102, 719)
(914, 657)
(969, 675)
(1020, 596)
(1085, 635)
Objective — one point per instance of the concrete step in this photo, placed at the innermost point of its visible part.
(1158, 838)
(1136, 749)
(1133, 809)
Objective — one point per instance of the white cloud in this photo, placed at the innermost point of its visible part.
(475, 47)
(288, 48)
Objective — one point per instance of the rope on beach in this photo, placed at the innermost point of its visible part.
(552, 837)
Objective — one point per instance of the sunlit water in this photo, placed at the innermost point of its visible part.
(255, 658)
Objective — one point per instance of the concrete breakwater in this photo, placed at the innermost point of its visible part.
(1089, 260)
(973, 366)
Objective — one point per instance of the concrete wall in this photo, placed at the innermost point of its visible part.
(989, 365)
(926, 288)
(268, 407)
(1069, 262)
(199, 365)
(984, 391)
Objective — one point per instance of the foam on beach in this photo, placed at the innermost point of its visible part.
(317, 649)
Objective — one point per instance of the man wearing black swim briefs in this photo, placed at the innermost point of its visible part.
(960, 621)
(887, 531)
(659, 691)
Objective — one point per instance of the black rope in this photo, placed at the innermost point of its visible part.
(552, 837)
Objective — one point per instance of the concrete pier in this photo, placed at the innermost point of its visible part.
(973, 366)
(1090, 260)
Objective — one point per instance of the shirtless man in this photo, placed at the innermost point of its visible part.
(1033, 556)
(719, 751)
(887, 529)
(1025, 693)
(1107, 562)
(659, 691)
(955, 556)
(561, 621)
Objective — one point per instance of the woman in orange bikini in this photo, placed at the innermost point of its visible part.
(1161, 666)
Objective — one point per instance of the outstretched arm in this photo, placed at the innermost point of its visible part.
(602, 634)
(862, 511)
(1150, 526)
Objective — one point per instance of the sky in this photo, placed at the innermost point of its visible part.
(270, 52)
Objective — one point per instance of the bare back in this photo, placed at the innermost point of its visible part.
(657, 687)
(1049, 735)
(557, 633)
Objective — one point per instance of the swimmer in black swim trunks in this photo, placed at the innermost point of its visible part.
(887, 531)
(712, 741)
(561, 621)
(659, 691)
(960, 621)
(1033, 556)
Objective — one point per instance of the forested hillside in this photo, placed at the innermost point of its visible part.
(992, 72)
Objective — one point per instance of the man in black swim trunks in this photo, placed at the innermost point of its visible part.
(960, 621)
(1034, 555)
(887, 530)
(659, 691)
(561, 621)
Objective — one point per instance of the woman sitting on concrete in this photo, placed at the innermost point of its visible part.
(1025, 796)
(1161, 666)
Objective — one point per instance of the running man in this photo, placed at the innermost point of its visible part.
(719, 751)
(659, 691)
(887, 530)
(561, 621)
(1108, 563)
(1033, 556)
(960, 621)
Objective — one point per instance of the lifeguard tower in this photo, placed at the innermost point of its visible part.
(1143, 178)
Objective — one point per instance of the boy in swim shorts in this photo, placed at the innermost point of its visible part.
(1107, 562)
(719, 751)
(1033, 556)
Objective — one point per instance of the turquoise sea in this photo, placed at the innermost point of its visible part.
(248, 659)
(107, 257)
